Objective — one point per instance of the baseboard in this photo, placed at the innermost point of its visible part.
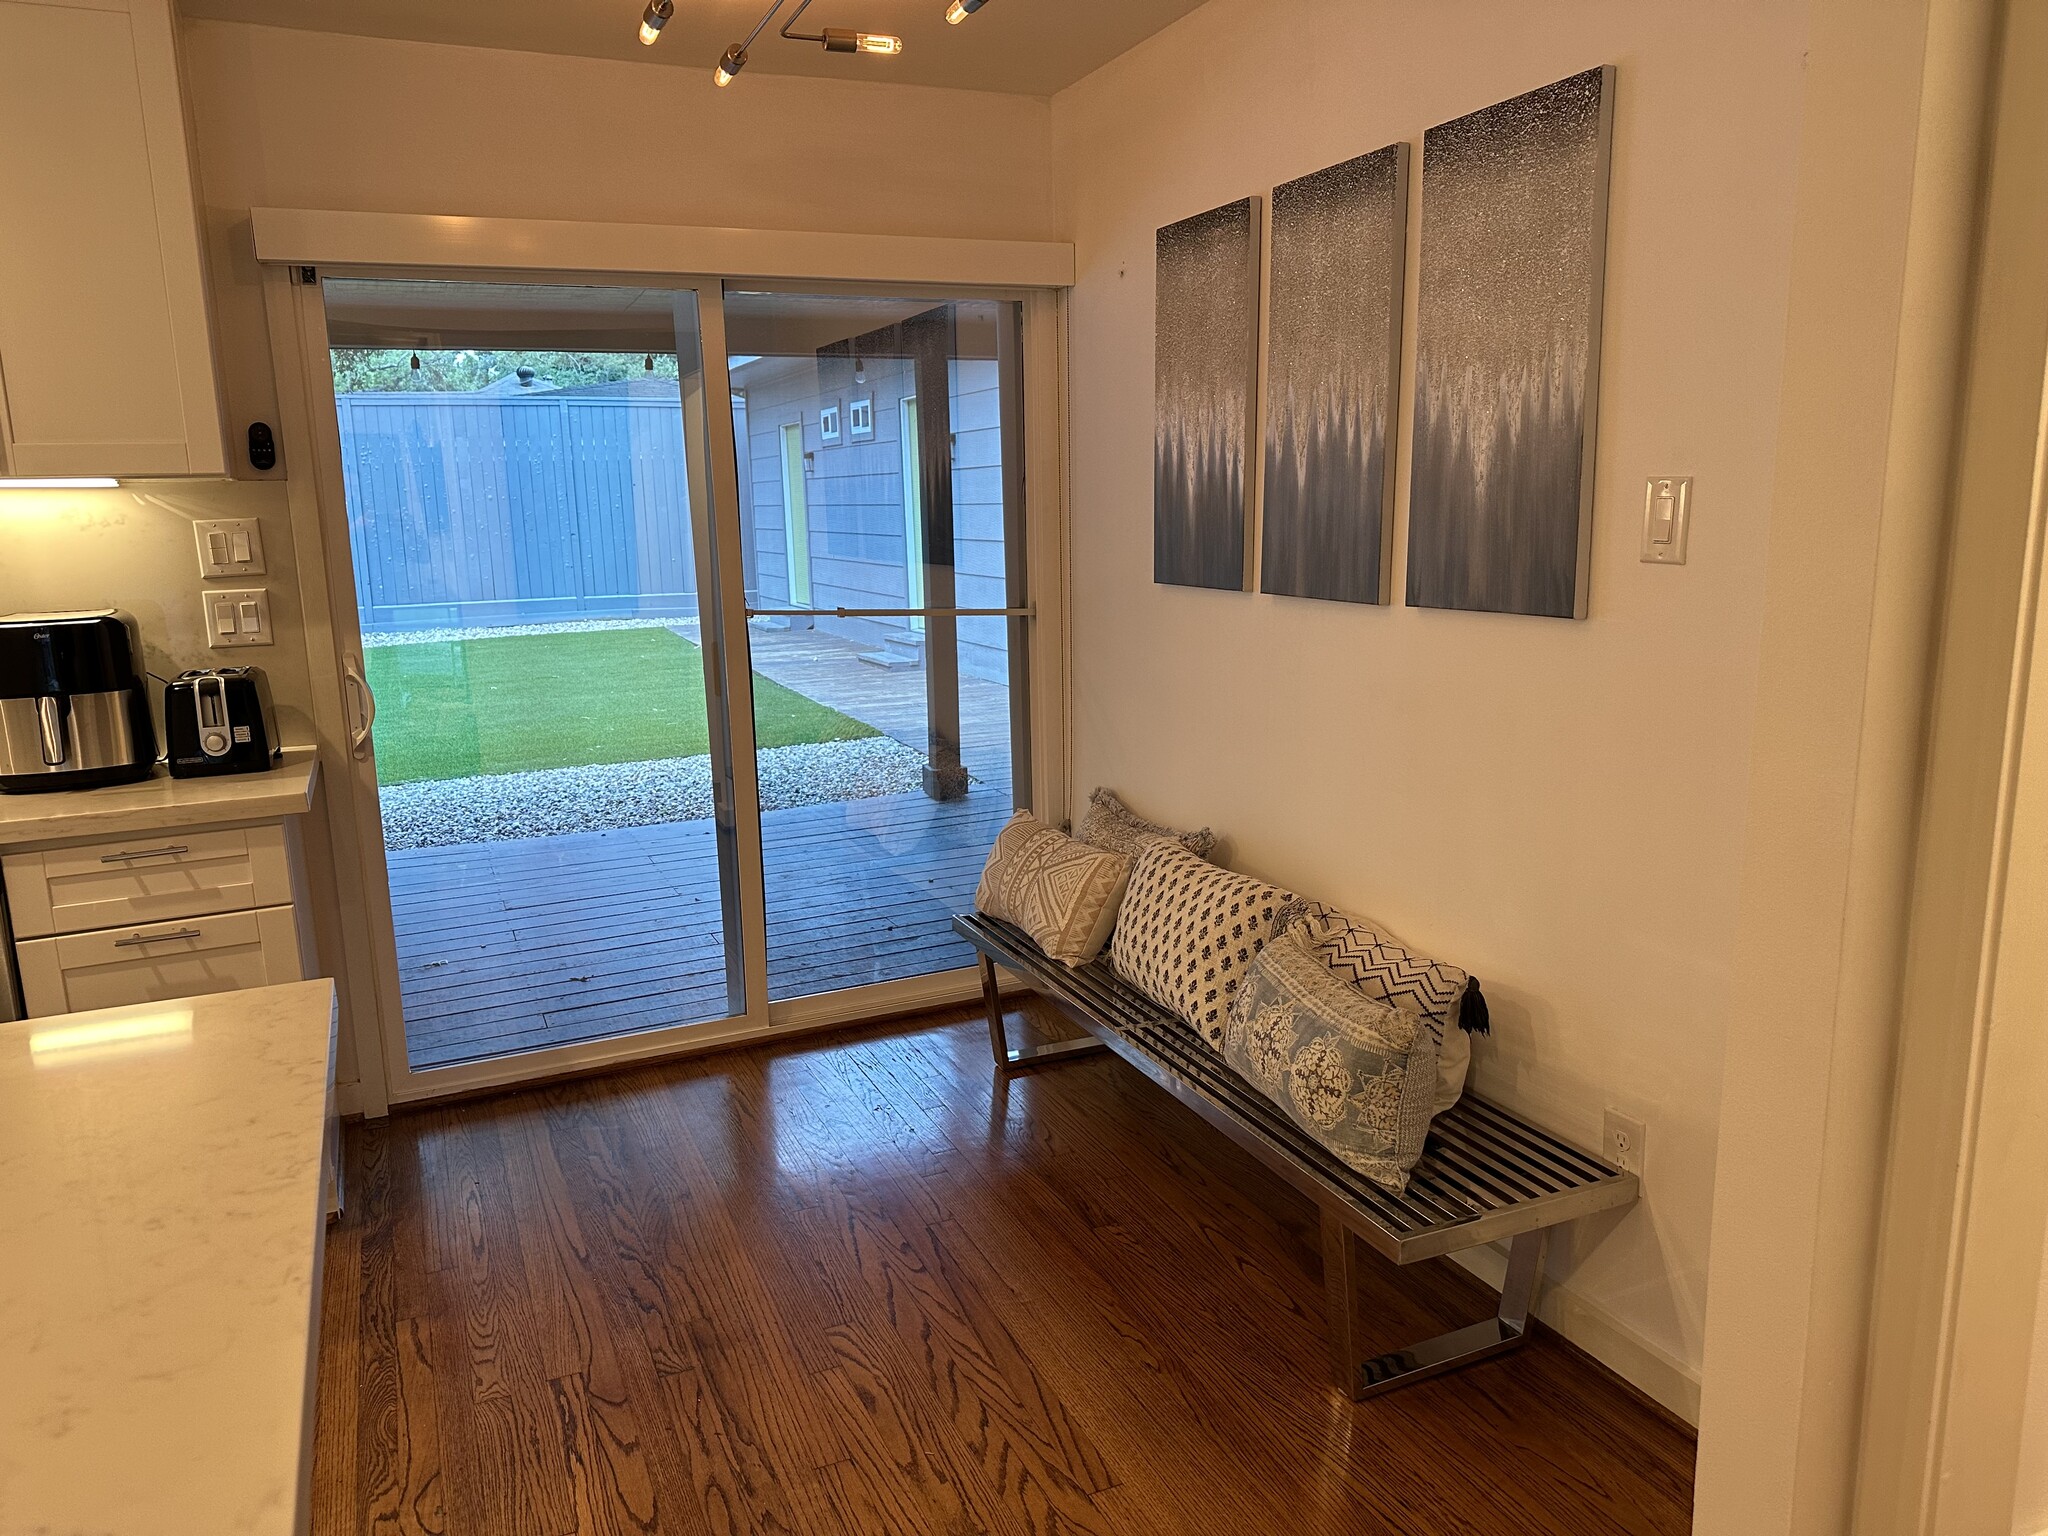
(1661, 1377)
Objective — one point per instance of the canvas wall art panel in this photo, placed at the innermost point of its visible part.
(1514, 238)
(1333, 351)
(1205, 362)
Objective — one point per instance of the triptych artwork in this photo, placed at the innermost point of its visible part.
(1514, 215)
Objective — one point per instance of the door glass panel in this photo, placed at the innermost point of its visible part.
(528, 506)
(878, 448)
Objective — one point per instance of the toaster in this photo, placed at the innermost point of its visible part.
(219, 720)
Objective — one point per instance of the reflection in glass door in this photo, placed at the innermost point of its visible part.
(529, 526)
(894, 424)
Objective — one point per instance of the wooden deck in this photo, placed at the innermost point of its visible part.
(513, 946)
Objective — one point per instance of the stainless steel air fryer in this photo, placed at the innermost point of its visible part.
(74, 711)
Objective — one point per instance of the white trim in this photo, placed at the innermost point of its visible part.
(312, 236)
(1657, 1374)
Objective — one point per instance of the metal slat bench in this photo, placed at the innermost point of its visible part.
(1485, 1174)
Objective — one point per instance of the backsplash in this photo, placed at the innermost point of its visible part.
(132, 548)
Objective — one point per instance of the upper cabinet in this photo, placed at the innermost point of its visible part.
(106, 361)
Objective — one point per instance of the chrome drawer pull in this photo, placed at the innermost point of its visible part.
(160, 938)
(169, 850)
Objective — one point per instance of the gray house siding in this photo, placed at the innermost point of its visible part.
(854, 494)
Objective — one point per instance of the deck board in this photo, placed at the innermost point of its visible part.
(535, 942)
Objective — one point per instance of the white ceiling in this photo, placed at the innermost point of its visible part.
(1030, 47)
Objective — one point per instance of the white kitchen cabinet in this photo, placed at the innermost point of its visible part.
(106, 351)
(154, 963)
(158, 914)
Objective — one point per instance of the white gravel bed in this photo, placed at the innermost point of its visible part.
(495, 631)
(499, 807)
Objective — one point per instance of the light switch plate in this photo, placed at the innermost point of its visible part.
(1667, 519)
(1623, 1144)
(229, 546)
(235, 618)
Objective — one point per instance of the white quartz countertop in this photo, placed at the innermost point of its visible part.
(162, 802)
(161, 1221)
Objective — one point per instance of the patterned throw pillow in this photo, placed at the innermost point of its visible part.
(1189, 931)
(1356, 1073)
(1381, 966)
(1111, 824)
(1061, 892)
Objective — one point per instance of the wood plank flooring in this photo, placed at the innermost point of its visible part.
(858, 1284)
(542, 941)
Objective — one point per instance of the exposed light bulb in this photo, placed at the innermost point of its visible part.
(960, 10)
(879, 42)
(734, 61)
(654, 18)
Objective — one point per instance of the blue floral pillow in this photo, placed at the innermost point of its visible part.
(1356, 1074)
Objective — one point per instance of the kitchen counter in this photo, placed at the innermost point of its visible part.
(159, 803)
(161, 1222)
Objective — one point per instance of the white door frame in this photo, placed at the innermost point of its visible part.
(1965, 1222)
(310, 437)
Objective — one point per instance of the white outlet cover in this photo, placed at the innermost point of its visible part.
(229, 546)
(1624, 1142)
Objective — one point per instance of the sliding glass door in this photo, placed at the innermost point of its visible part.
(893, 595)
(528, 500)
(686, 659)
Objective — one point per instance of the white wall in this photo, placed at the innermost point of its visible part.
(295, 119)
(1558, 806)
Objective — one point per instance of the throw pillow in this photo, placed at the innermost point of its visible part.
(1060, 891)
(1356, 1073)
(1111, 824)
(1189, 931)
(1373, 960)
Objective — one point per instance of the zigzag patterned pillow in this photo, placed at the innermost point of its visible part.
(1188, 933)
(1381, 967)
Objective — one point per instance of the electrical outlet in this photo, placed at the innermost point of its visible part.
(1624, 1142)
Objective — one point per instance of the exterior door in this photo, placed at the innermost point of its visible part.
(913, 512)
(796, 521)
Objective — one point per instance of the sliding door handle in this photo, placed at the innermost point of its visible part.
(365, 709)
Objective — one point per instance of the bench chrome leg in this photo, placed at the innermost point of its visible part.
(1498, 1334)
(1011, 1058)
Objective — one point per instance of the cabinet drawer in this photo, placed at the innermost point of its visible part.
(154, 962)
(146, 879)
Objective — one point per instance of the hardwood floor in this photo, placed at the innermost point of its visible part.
(857, 1284)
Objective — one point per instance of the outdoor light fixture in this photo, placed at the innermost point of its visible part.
(960, 10)
(654, 18)
(834, 39)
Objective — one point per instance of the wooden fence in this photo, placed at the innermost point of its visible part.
(504, 509)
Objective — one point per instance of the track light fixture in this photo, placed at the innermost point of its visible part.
(654, 18)
(834, 39)
(960, 10)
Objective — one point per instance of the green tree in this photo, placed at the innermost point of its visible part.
(362, 370)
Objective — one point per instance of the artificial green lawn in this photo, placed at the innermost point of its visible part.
(455, 709)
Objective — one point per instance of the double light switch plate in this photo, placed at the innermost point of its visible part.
(229, 546)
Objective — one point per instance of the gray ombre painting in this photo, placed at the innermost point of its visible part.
(1514, 238)
(1205, 362)
(1333, 345)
